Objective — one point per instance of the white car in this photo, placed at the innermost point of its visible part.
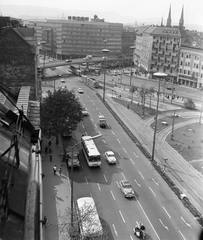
(126, 189)
(85, 112)
(110, 157)
(80, 90)
(62, 80)
(68, 60)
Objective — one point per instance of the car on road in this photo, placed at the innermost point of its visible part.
(84, 112)
(110, 157)
(62, 80)
(80, 90)
(75, 160)
(126, 189)
(68, 60)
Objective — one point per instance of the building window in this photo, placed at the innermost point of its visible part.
(188, 72)
(181, 63)
(182, 54)
(180, 70)
(184, 71)
(197, 74)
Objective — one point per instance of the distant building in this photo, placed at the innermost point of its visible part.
(158, 47)
(128, 39)
(78, 36)
(191, 67)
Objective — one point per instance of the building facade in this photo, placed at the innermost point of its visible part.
(191, 67)
(78, 36)
(128, 39)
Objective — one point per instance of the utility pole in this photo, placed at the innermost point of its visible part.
(174, 114)
(200, 117)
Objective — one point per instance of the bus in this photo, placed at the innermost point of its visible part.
(89, 221)
(91, 152)
(90, 81)
(75, 70)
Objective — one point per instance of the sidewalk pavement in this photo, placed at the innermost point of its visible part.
(56, 190)
(188, 180)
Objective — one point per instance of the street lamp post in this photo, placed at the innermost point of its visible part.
(105, 51)
(94, 137)
(132, 47)
(160, 76)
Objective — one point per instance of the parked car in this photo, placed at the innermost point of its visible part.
(126, 189)
(110, 157)
(68, 60)
(62, 80)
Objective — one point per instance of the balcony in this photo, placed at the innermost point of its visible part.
(162, 58)
(174, 54)
(160, 52)
(155, 45)
(166, 64)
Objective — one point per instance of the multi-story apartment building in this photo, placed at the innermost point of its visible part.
(128, 39)
(191, 67)
(79, 36)
(158, 47)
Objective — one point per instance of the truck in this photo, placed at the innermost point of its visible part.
(102, 121)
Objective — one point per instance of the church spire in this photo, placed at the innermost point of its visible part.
(162, 22)
(168, 24)
(181, 22)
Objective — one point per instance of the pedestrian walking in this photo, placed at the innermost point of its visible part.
(54, 169)
(60, 171)
(50, 150)
(46, 150)
(50, 157)
(44, 221)
(49, 143)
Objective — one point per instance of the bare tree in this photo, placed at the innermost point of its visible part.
(150, 92)
(133, 89)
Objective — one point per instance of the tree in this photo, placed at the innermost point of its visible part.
(87, 216)
(150, 92)
(61, 111)
(133, 89)
(189, 104)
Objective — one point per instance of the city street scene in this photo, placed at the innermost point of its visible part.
(101, 123)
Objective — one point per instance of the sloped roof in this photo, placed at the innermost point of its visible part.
(25, 32)
(150, 29)
(141, 30)
(167, 31)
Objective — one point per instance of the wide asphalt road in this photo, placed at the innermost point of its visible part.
(155, 204)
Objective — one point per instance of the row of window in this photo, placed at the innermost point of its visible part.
(188, 72)
(188, 64)
(189, 56)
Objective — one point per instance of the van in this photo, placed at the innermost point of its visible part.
(102, 121)
(89, 57)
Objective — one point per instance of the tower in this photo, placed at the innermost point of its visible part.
(162, 22)
(168, 24)
(181, 22)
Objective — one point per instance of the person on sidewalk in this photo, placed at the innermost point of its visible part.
(44, 221)
(49, 143)
(50, 157)
(46, 150)
(60, 171)
(54, 169)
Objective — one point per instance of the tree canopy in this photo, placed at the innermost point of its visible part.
(61, 111)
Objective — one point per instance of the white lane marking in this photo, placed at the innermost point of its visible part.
(185, 222)
(95, 125)
(118, 184)
(113, 132)
(93, 103)
(91, 195)
(114, 228)
(135, 154)
(131, 237)
(182, 235)
(86, 133)
(123, 175)
(120, 155)
(105, 178)
(92, 119)
(152, 191)
(132, 161)
(141, 175)
(104, 141)
(163, 224)
(118, 140)
(97, 108)
(100, 113)
(137, 183)
(83, 126)
(112, 195)
(122, 216)
(99, 133)
(148, 219)
(86, 180)
(155, 182)
(166, 212)
(98, 186)
(124, 150)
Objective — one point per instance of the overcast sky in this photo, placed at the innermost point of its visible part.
(140, 9)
